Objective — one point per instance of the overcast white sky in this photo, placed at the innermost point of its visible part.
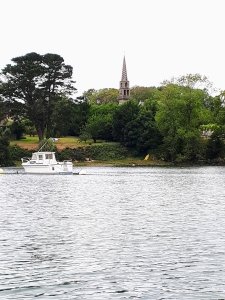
(160, 38)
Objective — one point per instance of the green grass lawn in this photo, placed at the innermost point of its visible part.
(70, 141)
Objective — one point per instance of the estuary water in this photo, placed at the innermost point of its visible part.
(114, 233)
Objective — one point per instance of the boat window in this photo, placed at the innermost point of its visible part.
(48, 156)
(34, 156)
(40, 157)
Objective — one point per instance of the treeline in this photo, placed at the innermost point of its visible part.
(181, 121)
(177, 121)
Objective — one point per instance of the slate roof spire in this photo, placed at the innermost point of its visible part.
(124, 70)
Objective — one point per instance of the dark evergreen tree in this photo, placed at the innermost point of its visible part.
(124, 114)
(5, 159)
(32, 85)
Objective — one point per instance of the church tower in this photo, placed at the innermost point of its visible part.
(124, 90)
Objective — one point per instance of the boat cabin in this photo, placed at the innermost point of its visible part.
(43, 157)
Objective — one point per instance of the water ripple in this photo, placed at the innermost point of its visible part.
(116, 233)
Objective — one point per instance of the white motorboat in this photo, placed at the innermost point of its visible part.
(46, 163)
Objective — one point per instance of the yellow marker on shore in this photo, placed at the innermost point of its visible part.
(1, 171)
(146, 157)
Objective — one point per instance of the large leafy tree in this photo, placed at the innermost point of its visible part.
(142, 133)
(180, 114)
(124, 114)
(103, 96)
(142, 93)
(100, 122)
(78, 117)
(32, 85)
(69, 117)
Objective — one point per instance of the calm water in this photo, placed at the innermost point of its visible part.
(115, 233)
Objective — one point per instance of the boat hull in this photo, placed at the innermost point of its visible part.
(57, 169)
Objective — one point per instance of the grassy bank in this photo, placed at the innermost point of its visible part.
(32, 143)
(113, 159)
(127, 162)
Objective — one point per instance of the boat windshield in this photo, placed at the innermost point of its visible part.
(34, 156)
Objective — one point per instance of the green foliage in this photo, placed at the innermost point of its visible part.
(168, 120)
(100, 121)
(16, 152)
(124, 114)
(76, 154)
(34, 83)
(193, 81)
(97, 152)
(47, 145)
(78, 117)
(141, 94)
(180, 114)
(102, 96)
(84, 136)
(142, 133)
(215, 148)
(69, 117)
(5, 157)
(106, 152)
(18, 128)
(31, 130)
(29, 127)
(3, 111)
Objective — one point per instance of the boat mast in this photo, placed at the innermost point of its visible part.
(44, 144)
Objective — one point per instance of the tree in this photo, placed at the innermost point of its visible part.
(69, 116)
(142, 133)
(141, 93)
(103, 96)
(124, 114)
(179, 116)
(78, 117)
(100, 122)
(3, 107)
(32, 85)
(84, 136)
(17, 128)
(5, 157)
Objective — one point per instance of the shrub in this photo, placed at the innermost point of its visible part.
(71, 154)
(106, 152)
(98, 152)
(16, 152)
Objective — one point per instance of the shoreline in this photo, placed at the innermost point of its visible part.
(133, 163)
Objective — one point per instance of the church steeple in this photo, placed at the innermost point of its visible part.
(124, 90)
(124, 70)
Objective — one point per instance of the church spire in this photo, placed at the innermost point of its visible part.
(124, 71)
(124, 90)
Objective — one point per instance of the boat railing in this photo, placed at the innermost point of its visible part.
(25, 159)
